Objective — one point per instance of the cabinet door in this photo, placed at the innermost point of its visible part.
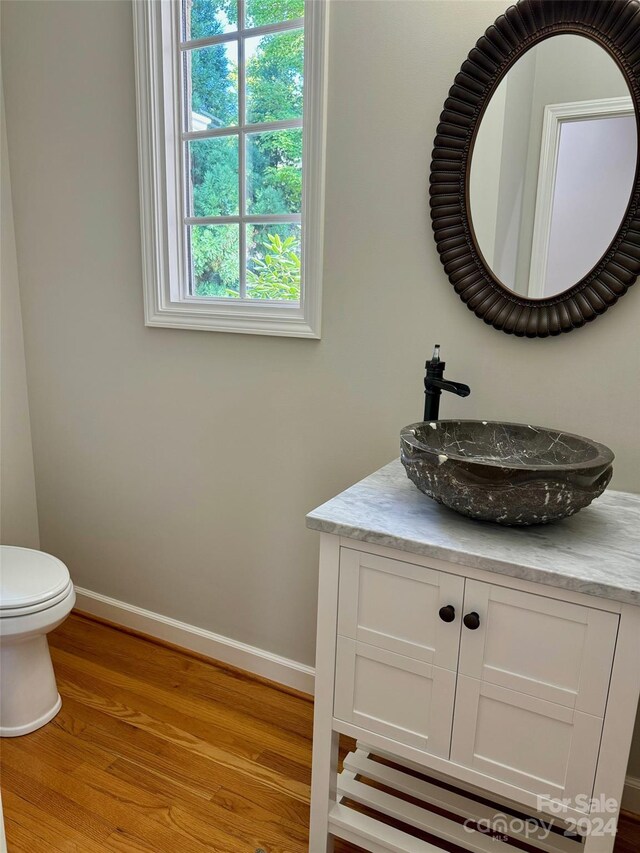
(394, 606)
(532, 689)
(538, 746)
(548, 649)
(406, 700)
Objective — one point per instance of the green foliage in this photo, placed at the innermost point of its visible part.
(202, 16)
(261, 12)
(274, 84)
(287, 181)
(277, 275)
(275, 78)
(214, 176)
(214, 250)
(274, 177)
(213, 87)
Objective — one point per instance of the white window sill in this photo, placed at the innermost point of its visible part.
(243, 317)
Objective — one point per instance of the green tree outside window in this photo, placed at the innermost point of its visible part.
(274, 85)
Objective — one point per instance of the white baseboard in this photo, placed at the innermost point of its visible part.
(257, 661)
(631, 796)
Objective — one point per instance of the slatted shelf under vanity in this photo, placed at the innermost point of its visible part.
(419, 809)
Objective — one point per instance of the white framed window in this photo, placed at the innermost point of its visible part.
(231, 139)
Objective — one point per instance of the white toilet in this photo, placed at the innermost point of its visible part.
(36, 595)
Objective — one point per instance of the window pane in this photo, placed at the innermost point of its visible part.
(273, 261)
(274, 172)
(204, 18)
(213, 169)
(260, 12)
(215, 260)
(274, 71)
(211, 86)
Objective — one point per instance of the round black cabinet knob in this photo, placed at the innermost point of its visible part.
(472, 621)
(448, 613)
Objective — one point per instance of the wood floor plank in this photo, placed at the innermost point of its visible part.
(101, 735)
(61, 749)
(84, 803)
(122, 841)
(46, 831)
(157, 781)
(154, 664)
(185, 740)
(155, 751)
(199, 775)
(35, 786)
(240, 796)
(245, 834)
(246, 826)
(284, 765)
(20, 839)
(234, 728)
(628, 840)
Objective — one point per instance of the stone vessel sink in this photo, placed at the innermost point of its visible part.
(509, 473)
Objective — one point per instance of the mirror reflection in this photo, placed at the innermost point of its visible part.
(553, 165)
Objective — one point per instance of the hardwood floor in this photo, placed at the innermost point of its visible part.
(155, 750)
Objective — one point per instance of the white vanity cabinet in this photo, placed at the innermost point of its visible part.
(492, 682)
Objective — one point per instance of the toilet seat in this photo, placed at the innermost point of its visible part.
(30, 581)
(6, 612)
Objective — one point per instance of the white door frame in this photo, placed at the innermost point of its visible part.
(554, 116)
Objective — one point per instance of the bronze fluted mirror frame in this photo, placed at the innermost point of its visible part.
(615, 26)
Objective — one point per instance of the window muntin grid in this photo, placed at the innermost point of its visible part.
(196, 127)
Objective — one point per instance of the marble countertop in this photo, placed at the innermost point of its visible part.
(596, 551)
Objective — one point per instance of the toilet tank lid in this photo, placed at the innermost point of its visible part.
(29, 577)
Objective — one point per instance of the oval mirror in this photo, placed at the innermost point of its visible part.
(535, 175)
(553, 166)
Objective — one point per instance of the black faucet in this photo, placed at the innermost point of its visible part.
(434, 385)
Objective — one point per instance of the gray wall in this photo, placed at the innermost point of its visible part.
(174, 468)
(18, 513)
